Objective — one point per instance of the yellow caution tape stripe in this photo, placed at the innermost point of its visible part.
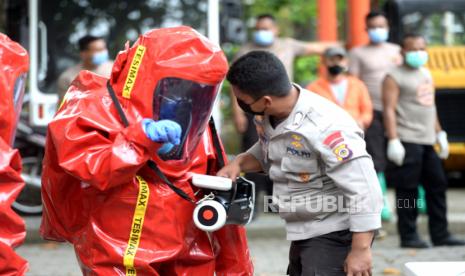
(132, 74)
(136, 228)
(62, 101)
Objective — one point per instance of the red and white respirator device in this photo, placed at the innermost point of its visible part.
(225, 202)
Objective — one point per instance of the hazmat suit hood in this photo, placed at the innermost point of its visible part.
(100, 192)
(14, 63)
(174, 74)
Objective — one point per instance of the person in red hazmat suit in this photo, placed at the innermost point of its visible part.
(119, 158)
(14, 62)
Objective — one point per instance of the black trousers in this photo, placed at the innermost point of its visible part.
(376, 141)
(421, 165)
(320, 256)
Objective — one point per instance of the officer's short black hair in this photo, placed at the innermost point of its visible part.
(373, 14)
(410, 36)
(86, 40)
(266, 16)
(258, 74)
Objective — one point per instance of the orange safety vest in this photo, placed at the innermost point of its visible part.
(357, 100)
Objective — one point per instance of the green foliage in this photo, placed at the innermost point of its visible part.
(295, 18)
(230, 137)
(306, 69)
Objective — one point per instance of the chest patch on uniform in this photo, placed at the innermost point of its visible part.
(297, 141)
(337, 144)
(300, 153)
(296, 147)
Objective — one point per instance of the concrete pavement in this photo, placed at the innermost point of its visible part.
(268, 254)
(268, 246)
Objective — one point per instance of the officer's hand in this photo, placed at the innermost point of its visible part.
(358, 262)
(443, 144)
(164, 131)
(396, 152)
(231, 171)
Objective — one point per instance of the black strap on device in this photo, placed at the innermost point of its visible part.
(152, 165)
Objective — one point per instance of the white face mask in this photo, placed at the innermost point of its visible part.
(378, 35)
(100, 57)
(263, 37)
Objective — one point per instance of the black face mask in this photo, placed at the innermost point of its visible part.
(246, 108)
(335, 70)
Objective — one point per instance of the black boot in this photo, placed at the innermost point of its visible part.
(449, 241)
(414, 243)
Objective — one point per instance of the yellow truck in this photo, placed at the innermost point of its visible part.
(447, 65)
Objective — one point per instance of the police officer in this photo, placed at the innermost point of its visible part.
(325, 185)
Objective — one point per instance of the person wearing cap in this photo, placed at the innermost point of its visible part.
(346, 91)
(324, 183)
(265, 37)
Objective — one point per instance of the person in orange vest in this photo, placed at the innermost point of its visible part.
(344, 90)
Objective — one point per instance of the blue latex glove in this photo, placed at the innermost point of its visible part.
(165, 148)
(164, 131)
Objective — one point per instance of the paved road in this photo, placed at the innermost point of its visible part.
(269, 256)
(268, 247)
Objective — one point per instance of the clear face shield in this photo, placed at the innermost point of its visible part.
(190, 105)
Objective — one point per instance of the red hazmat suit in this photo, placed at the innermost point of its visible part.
(14, 62)
(98, 191)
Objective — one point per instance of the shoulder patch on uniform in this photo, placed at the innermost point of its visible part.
(342, 152)
(337, 144)
(333, 139)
